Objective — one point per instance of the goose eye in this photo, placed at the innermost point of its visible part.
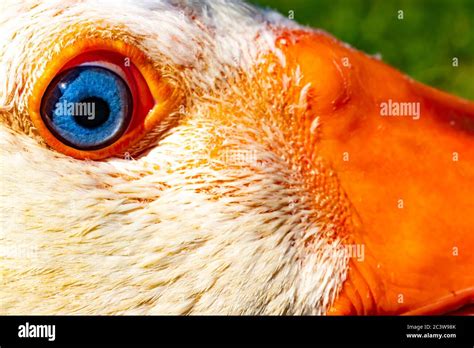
(87, 107)
(98, 98)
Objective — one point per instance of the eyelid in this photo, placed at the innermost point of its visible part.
(165, 98)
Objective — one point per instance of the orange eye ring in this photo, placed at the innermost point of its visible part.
(157, 98)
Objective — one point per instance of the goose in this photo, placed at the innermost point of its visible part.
(211, 157)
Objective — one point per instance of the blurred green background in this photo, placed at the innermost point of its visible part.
(422, 44)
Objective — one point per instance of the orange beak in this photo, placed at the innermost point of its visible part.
(404, 155)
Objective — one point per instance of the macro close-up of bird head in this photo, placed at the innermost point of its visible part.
(212, 157)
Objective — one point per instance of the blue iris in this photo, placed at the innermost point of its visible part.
(87, 107)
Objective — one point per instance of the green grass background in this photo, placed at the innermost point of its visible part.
(422, 45)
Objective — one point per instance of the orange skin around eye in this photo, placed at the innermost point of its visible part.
(148, 111)
(410, 182)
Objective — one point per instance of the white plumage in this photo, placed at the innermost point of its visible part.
(178, 229)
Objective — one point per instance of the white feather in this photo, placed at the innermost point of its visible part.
(175, 230)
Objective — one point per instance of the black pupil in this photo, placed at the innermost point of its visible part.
(100, 112)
